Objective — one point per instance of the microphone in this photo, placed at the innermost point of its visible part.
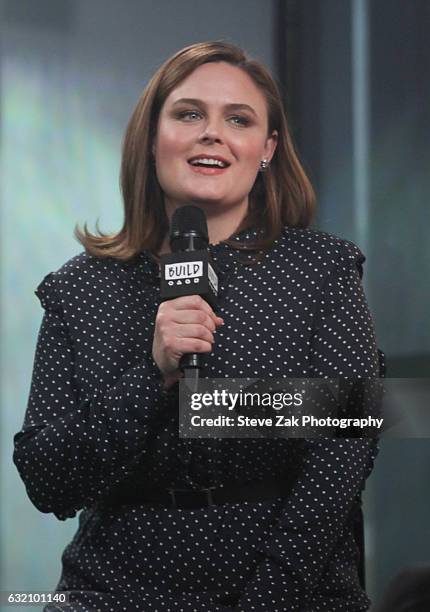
(189, 270)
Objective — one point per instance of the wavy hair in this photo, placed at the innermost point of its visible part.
(282, 195)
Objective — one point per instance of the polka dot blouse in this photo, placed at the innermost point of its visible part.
(98, 421)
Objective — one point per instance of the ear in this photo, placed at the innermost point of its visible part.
(270, 146)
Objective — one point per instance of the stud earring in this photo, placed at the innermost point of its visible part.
(264, 164)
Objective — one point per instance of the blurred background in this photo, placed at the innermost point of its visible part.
(355, 76)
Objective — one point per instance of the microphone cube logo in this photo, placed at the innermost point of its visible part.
(188, 273)
(183, 272)
(213, 279)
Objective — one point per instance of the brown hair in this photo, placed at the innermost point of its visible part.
(282, 195)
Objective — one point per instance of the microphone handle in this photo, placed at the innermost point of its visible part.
(190, 360)
(190, 364)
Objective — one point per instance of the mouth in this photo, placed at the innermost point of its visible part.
(208, 164)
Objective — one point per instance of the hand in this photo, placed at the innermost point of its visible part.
(183, 325)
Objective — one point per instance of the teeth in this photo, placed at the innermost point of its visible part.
(208, 162)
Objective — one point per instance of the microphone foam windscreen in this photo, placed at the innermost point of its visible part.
(188, 219)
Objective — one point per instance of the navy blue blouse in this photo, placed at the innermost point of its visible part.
(98, 417)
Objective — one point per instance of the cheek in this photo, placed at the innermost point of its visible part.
(166, 146)
(171, 141)
(252, 151)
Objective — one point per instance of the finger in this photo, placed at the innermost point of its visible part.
(187, 330)
(190, 302)
(181, 346)
(194, 316)
(194, 345)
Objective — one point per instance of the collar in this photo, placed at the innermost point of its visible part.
(143, 269)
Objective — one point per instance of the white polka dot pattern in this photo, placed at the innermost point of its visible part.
(97, 417)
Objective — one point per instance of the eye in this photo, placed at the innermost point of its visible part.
(239, 120)
(189, 115)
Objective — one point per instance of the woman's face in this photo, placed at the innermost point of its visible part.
(212, 134)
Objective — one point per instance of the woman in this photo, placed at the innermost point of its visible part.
(101, 428)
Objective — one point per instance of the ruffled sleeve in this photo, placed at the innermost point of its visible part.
(72, 450)
(48, 295)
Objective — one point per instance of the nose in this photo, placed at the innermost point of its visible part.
(212, 132)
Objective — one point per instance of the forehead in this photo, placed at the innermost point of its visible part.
(220, 83)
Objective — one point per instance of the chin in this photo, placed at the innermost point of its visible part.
(209, 192)
(208, 198)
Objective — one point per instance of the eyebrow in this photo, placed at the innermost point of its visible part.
(231, 107)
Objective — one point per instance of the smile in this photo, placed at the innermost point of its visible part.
(208, 169)
(208, 162)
